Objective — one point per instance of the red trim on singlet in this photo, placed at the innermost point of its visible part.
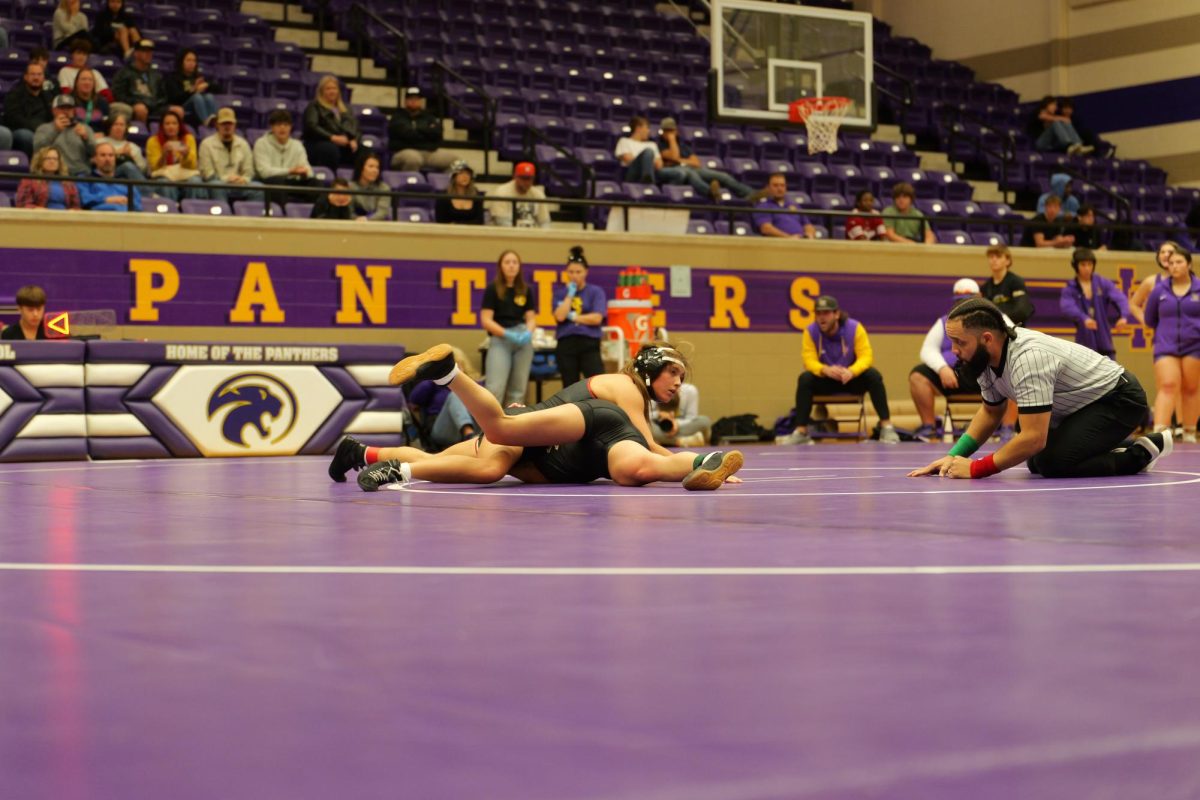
(589, 388)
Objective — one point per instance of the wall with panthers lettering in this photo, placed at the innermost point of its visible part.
(739, 301)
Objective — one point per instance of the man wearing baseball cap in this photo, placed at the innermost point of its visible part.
(68, 135)
(141, 87)
(681, 165)
(415, 136)
(837, 360)
(227, 158)
(510, 206)
(936, 372)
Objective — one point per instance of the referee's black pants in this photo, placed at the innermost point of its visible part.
(869, 382)
(578, 354)
(1082, 444)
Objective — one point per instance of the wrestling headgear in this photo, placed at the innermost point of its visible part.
(651, 360)
(1082, 254)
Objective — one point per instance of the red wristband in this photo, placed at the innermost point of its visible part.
(983, 467)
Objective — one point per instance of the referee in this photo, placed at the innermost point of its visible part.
(1076, 408)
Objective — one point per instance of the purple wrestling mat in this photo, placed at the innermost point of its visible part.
(244, 628)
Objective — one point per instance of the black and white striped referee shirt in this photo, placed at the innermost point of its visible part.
(1044, 373)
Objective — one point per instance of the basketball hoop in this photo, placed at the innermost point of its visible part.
(821, 116)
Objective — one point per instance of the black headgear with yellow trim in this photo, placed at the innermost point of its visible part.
(651, 361)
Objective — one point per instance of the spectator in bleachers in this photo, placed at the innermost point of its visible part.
(451, 422)
(769, 222)
(31, 302)
(225, 157)
(681, 165)
(172, 156)
(935, 373)
(903, 220)
(415, 136)
(68, 135)
(280, 160)
(376, 206)
(190, 92)
(330, 131)
(1066, 108)
(131, 164)
(865, 225)
(1054, 133)
(140, 85)
(115, 31)
(1094, 304)
(838, 359)
(463, 202)
(1062, 187)
(47, 190)
(679, 423)
(638, 154)
(81, 50)
(27, 107)
(334, 205)
(108, 196)
(90, 107)
(506, 207)
(69, 24)
(1084, 230)
(40, 55)
(1049, 228)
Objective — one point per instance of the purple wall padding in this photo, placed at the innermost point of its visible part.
(64, 400)
(342, 381)
(15, 417)
(64, 449)
(127, 447)
(333, 428)
(158, 424)
(385, 398)
(15, 386)
(106, 399)
(63, 352)
(151, 382)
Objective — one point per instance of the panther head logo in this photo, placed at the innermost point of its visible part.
(256, 399)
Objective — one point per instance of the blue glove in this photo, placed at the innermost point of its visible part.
(572, 289)
(524, 336)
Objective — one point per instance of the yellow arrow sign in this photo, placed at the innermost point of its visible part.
(60, 324)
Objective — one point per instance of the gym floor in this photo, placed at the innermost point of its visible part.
(828, 629)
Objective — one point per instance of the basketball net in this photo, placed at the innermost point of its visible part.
(821, 116)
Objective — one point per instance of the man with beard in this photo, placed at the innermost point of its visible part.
(1076, 408)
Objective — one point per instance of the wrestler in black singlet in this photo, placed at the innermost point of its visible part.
(604, 424)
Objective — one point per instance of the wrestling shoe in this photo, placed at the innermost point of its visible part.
(713, 471)
(436, 362)
(349, 455)
(795, 437)
(927, 433)
(1157, 445)
(371, 478)
(888, 435)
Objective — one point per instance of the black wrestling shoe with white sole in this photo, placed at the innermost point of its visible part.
(436, 362)
(383, 472)
(349, 455)
(714, 470)
(1157, 445)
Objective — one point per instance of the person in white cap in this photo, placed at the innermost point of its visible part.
(226, 157)
(415, 136)
(936, 371)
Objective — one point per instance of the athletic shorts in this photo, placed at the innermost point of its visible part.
(604, 425)
(966, 385)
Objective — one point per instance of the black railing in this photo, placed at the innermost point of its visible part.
(447, 100)
(586, 170)
(359, 15)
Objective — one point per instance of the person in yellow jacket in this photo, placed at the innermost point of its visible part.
(837, 360)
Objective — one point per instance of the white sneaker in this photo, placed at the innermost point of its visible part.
(795, 437)
(888, 435)
(1157, 445)
(692, 440)
(1189, 437)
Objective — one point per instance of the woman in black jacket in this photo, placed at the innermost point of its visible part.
(190, 91)
(330, 131)
(115, 31)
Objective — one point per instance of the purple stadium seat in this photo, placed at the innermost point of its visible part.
(646, 192)
(254, 208)
(682, 194)
(816, 177)
(988, 239)
(12, 161)
(152, 204)
(737, 228)
(700, 226)
(214, 208)
(953, 237)
(831, 201)
(438, 181)
(406, 181)
(299, 210)
(413, 214)
(5, 200)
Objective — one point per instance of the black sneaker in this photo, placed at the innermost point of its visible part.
(1157, 445)
(713, 471)
(349, 455)
(376, 475)
(434, 363)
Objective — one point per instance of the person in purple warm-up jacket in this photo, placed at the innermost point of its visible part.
(1094, 304)
(1173, 310)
